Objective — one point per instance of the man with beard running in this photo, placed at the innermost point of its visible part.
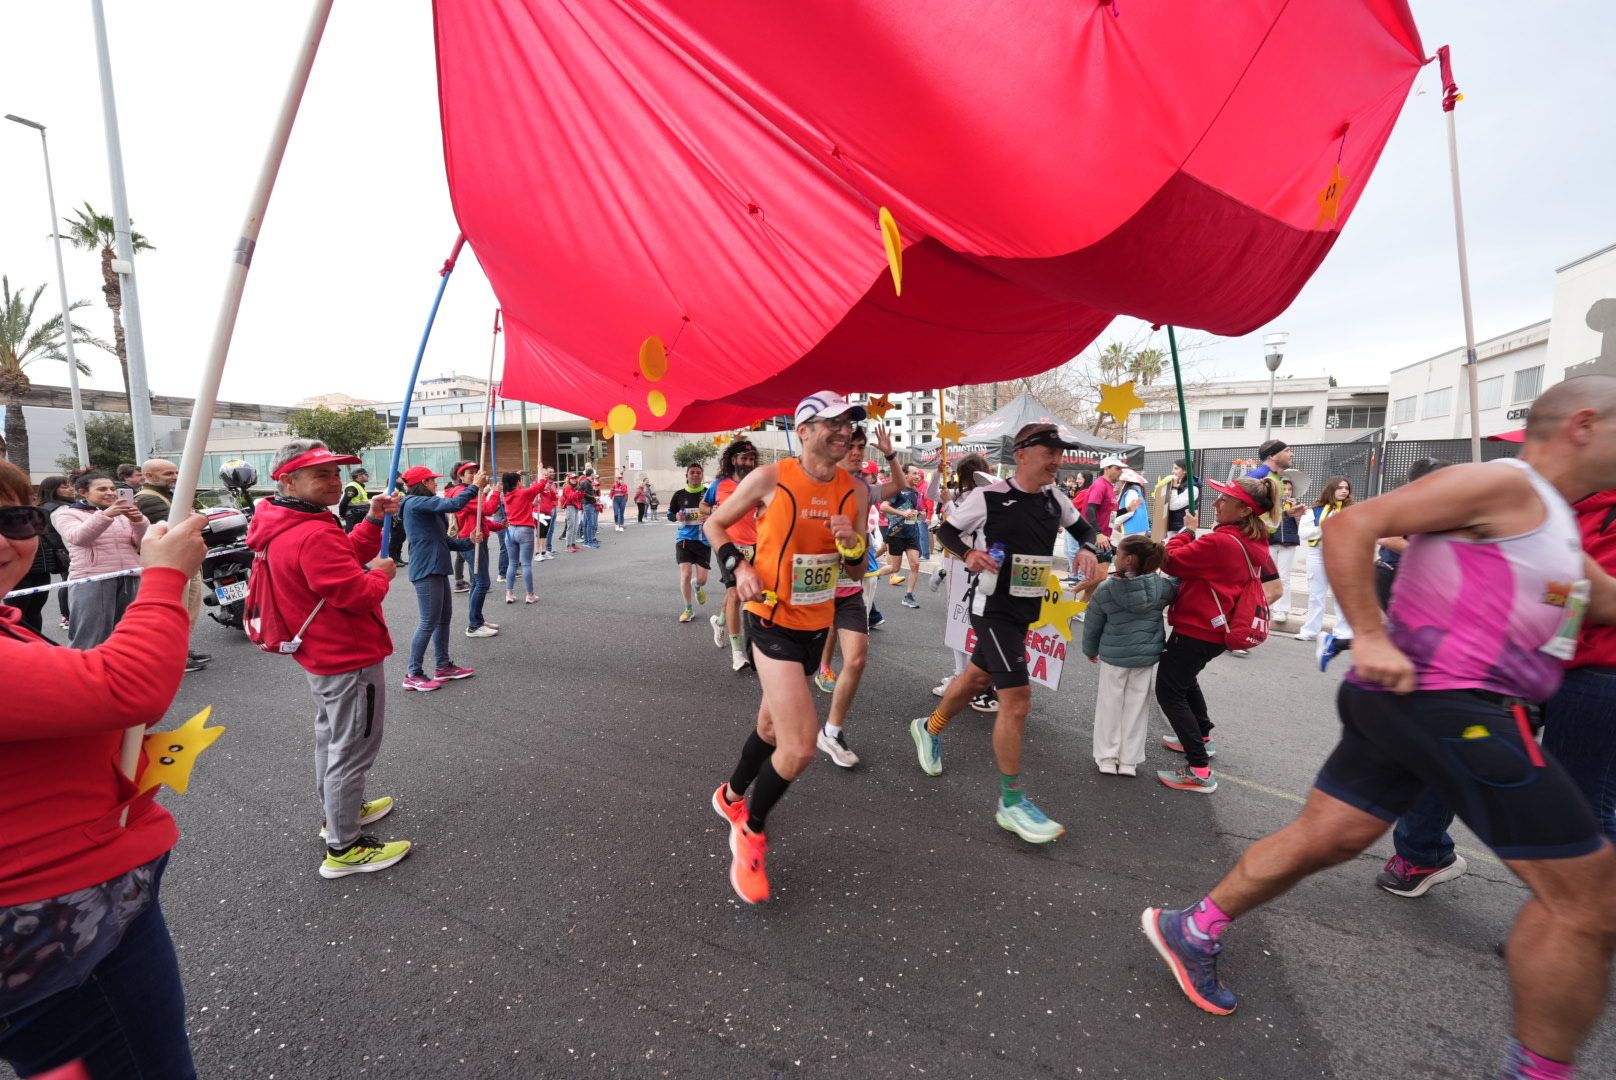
(737, 461)
(810, 521)
(1491, 593)
(690, 549)
(1015, 521)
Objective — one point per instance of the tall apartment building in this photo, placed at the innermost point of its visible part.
(915, 416)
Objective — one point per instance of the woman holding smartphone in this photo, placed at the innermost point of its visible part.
(102, 531)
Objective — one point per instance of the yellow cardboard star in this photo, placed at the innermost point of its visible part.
(1329, 199)
(948, 431)
(1120, 400)
(1057, 610)
(720, 440)
(170, 755)
(878, 407)
(893, 242)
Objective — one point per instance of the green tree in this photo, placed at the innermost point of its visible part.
(694, 452)
(21, 343)
(346, 432)
(89, 231)
(110, 438)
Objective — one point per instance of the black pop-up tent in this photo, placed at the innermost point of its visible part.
(993, 435)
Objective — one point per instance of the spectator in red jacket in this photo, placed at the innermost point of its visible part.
(520, 520)
(549, 497)
(1212, 570)
(87, 970)
(476, 524)
(619, 501)
(331, 584)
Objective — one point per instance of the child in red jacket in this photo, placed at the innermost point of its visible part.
(1212, 570)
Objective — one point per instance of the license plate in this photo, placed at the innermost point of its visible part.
(230, 594)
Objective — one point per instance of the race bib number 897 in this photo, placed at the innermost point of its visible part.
(1028, 574)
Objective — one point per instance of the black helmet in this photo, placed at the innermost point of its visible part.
(238, 474)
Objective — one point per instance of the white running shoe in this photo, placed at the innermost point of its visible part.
(720, 638)
(484, 631)
(1124, 769)
(739, 661)
(941, 688)
(837, 749)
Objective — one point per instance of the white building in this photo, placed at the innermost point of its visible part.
(1234, 413)
(1430, 399)
(914, 416)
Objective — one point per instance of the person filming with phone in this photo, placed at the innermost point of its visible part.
(102, 530)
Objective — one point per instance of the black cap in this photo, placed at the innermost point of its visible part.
(1042, 435)
(1271, 447)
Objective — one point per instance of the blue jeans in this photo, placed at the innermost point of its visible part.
(619, 504)
(923, 535)
(479, 586)
(1421, 835)
(1579, 729)
(127, 1019)
(435, 602)
(521, 557)
(504, 551)
(591, 521)
(550, 530)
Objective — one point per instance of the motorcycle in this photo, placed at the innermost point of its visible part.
(228, 559)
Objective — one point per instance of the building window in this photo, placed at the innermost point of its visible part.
(1355, 416)
(1157, 421)
(1403, 410)
(1528, 384)
(1288, 416)
(1438, 403)
(1222, 419)
(1490, 392)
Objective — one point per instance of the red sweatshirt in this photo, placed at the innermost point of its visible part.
(1597, 516)
(61, 793)
(1207, 564)
(466, 517)
(519, 505)
(548, 495)
(312, 558)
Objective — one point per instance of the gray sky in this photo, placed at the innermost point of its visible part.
(360, 220)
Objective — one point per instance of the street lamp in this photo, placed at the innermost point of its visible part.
(1273, 353)
(61, 288)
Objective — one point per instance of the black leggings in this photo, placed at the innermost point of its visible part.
(1179, 693)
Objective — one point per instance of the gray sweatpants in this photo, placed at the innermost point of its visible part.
(347, 738)
(93, 610)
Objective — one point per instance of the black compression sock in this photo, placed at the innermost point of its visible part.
(753, 755)
(770, 786)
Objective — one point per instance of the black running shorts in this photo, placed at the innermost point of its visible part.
(804, 647)
(694, 552)
(851, 614)
(1475, 750)
(1001, 650)
(897, 544)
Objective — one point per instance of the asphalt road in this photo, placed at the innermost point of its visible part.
(567, 912)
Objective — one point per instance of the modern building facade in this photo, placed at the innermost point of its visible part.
(1234, 413)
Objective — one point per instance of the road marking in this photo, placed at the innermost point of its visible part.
(1288, 796)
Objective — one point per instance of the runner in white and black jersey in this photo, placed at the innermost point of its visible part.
(1015, 522)
(970, 472)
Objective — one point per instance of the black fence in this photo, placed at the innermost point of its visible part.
(1373, 464)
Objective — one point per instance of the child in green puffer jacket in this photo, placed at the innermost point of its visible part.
(1123, 633)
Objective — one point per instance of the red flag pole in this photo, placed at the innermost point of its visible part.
(1450, 98)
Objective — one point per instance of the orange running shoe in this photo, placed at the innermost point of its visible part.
(746, 874)
(732, 812)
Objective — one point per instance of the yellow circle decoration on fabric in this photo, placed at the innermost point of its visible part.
(653, 359)
(621, 419)
(657, 402)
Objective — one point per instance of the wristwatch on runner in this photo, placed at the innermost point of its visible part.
(729, 557)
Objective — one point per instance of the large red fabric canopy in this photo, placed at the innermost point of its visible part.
(710, 172)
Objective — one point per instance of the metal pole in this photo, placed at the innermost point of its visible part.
(409, 390)
(83, 445)
(526, 463)
(1268, 433)
(1184, 419)
(1451, 97)
(134, 341)
(488, 419)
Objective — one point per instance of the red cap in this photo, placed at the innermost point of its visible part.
(1236, 492)
(318, 456)
(415, 474)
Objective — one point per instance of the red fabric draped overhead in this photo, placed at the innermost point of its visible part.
(710, 172)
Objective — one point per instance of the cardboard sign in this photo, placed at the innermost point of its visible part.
(1046, 649)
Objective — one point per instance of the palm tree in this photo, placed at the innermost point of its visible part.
(88, 231)
(21, 343)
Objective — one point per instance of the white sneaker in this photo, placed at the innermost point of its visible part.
(1107, 766)
(739, 661)
(1281, 619)
(500, 579)
(1239, 652)
(1124, 769)
(720, 638)
(619, 528)
(484, 631)
(837, 749)
(941, 688)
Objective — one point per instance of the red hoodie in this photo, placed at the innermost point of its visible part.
(312, 558)
(1207, 564)
(548, 495)
(1596, 514)
(466, 516)
(61, 793)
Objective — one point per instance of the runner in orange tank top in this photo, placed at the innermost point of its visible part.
(809, 529)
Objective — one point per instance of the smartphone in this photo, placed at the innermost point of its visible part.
(126, 494)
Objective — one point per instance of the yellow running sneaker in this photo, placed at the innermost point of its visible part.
(687, 614)
(367, 855)
(371, 810)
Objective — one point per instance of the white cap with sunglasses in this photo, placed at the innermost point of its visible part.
(827, 405)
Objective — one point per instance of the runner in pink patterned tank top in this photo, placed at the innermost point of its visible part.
(1443, 696)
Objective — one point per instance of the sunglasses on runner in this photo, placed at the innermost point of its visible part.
(22, 522)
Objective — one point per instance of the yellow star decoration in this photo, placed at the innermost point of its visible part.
(1056, 610)
(720, 440)
(878, 407)
(948, 431)
(1329, 199)
(170, 755)
(1120, 400)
